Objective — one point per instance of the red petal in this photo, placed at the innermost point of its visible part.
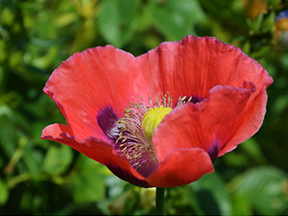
(249, 124)
(180, 167)
(215, 119)
(91, 80)
(195, 65)
(96, 150)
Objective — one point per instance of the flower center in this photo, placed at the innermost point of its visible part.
(136, 129)
(152, 119)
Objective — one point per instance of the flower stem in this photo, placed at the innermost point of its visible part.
(160, 201)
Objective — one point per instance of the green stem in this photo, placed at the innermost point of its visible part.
(160, 201)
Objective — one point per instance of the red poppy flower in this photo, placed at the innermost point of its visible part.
(162, 118)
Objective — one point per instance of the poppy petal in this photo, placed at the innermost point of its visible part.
(85, 84)
(96, 150)
(180, 167)
(195, 65)
(215, 119)
(251, 122)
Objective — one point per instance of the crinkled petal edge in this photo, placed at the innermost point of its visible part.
(98, 151)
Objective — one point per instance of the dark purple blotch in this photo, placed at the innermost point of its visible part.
(194, 99)
(106, 120)
(147, 167)
(213, 151)
(116, 170)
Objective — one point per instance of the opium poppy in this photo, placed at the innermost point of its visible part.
(160, 119)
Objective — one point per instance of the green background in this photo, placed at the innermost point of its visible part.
(43, 177)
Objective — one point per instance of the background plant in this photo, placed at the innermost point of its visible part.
(42, 177)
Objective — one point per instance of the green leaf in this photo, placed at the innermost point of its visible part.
(212, 192)
(273, 3)
(8, 132)
(88, 187)
(4, 192)
(33, 159)
(262, 187)
(116, 20)
(88, 180)
(268, 22)
(224, 10)
(176, 19)
(255, 25)
(65, 19)
(280, 104)
(251, 146)
(242, 205)
(284, 61)
(57, 159)
(236, 159)
(86, 164)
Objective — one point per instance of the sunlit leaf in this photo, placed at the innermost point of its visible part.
(32, 159)
(57, 159)
(176, 19)
(116, 20)
(85, 164)
(252, 147)
(242, 205)
(268, 22)
(4, 192)
(262, 187)
(65, 19)
(88, 187)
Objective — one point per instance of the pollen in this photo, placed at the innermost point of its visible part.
(152, 119)
(136, 129)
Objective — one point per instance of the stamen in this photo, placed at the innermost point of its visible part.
(134, 144)
(136, 130)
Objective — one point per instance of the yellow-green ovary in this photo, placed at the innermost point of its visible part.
(152, 119)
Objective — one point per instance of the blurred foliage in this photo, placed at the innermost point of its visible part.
(43, 177)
